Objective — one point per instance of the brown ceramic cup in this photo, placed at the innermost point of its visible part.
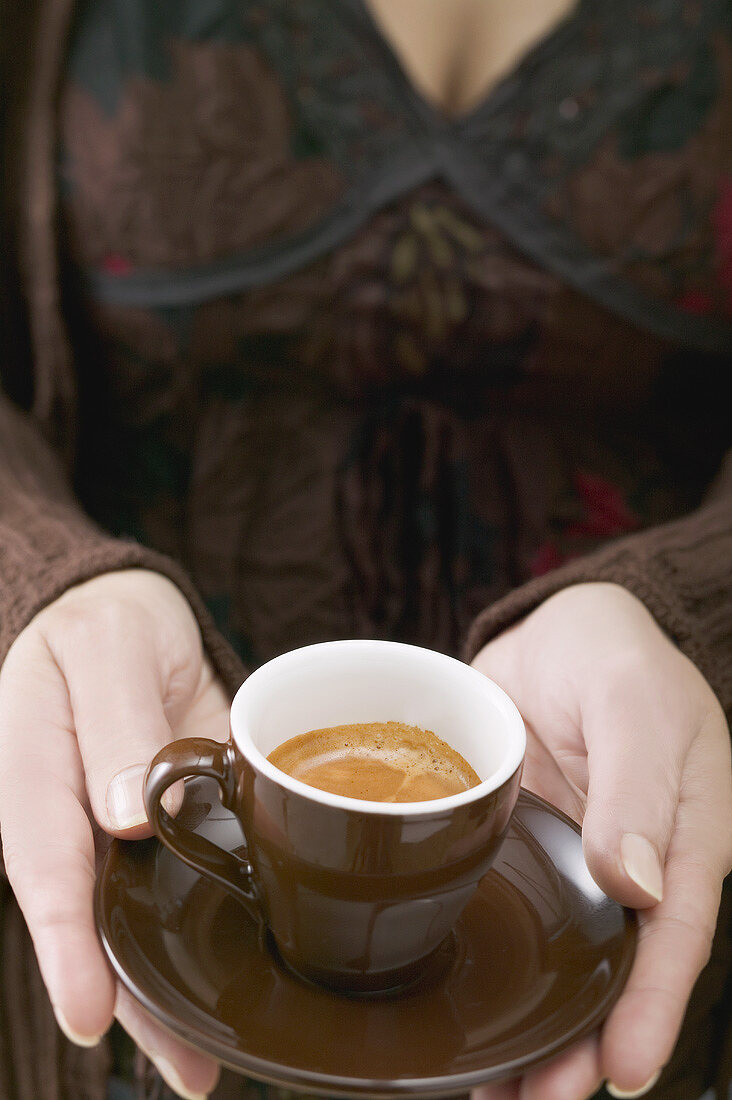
(356, 895)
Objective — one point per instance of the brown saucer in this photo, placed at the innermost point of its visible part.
(536, 961)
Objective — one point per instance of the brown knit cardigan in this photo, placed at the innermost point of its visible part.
(682, 572)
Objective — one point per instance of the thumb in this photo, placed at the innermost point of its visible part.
(117, 698)
(632, 800)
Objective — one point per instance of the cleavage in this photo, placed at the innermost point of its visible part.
(455, 51)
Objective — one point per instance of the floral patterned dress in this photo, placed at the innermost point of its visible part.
(363, 368)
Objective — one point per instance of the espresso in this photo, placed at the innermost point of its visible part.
(376, 761)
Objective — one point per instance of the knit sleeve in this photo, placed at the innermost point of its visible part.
(48, 544)
(681, 571)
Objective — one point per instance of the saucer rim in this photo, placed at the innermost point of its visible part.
(363, 1088)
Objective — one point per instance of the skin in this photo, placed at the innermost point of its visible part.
(456, 55)
(624, 734)
(98, 682)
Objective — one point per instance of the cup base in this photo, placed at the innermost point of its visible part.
(387, 983)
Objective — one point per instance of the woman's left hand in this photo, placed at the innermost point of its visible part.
(627, 737)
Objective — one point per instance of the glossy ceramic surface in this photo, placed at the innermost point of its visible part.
(535, 961)
(355, 894)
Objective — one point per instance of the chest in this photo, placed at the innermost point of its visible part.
(454, 51)
(207, 156)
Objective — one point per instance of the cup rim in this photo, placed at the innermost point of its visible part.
(511, 763)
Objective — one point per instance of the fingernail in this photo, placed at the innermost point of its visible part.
(171, 1077)
(125, 808)
(74, 1036)
(623, 1094)
(642, 864)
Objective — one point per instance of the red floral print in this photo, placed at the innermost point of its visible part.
(697, 302)
(115, 264)
(604, 513)
(546, 558)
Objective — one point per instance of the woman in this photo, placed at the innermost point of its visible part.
(334, 320)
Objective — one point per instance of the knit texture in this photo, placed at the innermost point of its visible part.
(47, 544)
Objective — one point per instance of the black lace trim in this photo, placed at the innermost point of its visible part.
(353, 99)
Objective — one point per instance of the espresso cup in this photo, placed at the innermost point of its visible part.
(354, 895)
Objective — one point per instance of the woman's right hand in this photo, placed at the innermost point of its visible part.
(90, 690)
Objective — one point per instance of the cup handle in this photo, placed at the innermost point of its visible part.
(200, 756)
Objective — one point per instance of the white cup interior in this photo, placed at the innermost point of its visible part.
(359, 681)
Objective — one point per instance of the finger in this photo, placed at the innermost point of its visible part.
(188, 1073)
(48, 843)
(53, 882)
(673, 946)
(573, 1075)
(543, 775)
(207, 714)
(117, 698)
(559, 773)
(635, 755)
